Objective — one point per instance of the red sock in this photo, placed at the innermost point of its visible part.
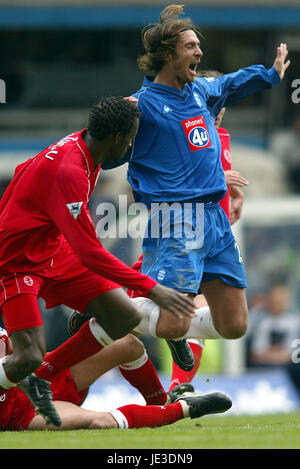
(181, 376)
(79, 347)
(137, 416)
(145, 379)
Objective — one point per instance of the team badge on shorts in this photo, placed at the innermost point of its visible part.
(75, 209)
(28, 281)
(161, 275)
(196, 132)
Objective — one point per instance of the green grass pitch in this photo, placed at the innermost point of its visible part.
(220, 432)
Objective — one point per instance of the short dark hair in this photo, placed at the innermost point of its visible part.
(111, 115)
(160, 39)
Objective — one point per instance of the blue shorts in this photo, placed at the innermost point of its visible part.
(203, 248)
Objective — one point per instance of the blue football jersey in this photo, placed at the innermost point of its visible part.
(176, 153)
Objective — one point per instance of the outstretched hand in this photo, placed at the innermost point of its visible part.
(280, 64)
(131, 99)
(177, 303)
(234, 178)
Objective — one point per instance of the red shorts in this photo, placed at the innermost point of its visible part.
(64, 389)
(16, 410)
(65, 281)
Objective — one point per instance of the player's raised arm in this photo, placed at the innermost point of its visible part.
(280, 63)
(231, 87)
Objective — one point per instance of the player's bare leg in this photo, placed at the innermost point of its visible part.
(115, 313)
(74, 417)
(228, 308)
(130, 356)
(29, 347)
(136, 416)
(124, 350)
(114, 316)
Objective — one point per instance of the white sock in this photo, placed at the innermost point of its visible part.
(4, 381)
(135, 364)
(99, 333)
(120, 418)
(200, 342)
(185, 408)
(150, 314)
(202, 326)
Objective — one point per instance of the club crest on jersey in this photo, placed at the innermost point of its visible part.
(196, 132)
(75, 209)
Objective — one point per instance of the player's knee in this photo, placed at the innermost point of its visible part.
(127, 320)
(135, 347)
(172, 330)
(103, 420)
(234, 330)
(28, 363)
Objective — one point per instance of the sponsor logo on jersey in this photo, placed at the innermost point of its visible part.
(196, 132)
(75, 209)
(28, 281)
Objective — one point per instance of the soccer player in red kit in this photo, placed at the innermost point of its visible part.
(70, 388)
(49, 249)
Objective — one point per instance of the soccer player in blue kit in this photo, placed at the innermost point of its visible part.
(175, 159)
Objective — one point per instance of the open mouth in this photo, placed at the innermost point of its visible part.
(193, 68)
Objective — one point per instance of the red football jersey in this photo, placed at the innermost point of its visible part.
(45, 203)
(226, 163)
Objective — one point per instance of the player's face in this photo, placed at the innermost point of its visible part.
(183, 66)
(123, 142)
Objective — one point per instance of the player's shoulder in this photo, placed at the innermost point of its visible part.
(200, 85)
(150, 103)
(66, 143)
(68, 157)
(223, 132)
(208, 85)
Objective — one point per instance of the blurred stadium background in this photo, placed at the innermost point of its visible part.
(59, 56)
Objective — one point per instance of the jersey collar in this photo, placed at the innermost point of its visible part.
(148, 82)
(86, 151)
